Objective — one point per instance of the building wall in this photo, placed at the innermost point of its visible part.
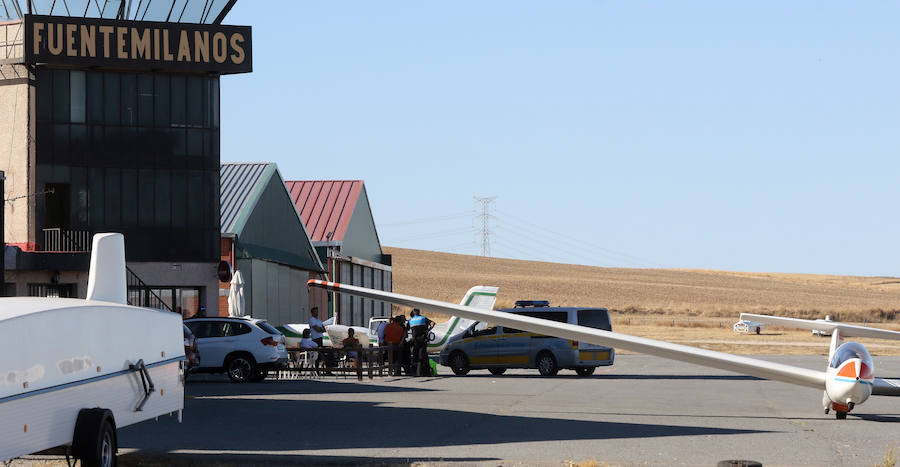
(15, 159)
(356, 311)
(202, 275)
(21, 280)
(275, 292)
(361, 239)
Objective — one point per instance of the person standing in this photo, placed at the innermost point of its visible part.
(419, 326)
(316, 331)
(393, 339)
(353, 356)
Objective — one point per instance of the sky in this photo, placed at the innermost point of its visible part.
(749, 136)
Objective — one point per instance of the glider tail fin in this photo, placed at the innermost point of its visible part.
(106, 279)
(481, 296)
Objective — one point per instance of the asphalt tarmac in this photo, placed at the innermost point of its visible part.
(642, 411)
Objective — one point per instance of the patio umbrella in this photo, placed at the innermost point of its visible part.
(236, 295)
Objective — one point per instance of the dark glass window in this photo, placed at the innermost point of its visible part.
(111, 98)
(77, 97)
(113, 198)
(179, 100)
(161, 100)
(129, 198)
(140, 155)
(61, 96)
(145, 99)
(94, 97)
(129, 100)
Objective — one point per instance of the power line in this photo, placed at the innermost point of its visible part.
(425, 220)
(485, 223)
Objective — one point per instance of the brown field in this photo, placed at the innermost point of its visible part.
(695, 307)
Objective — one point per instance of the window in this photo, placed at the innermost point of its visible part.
(558, 316)
(236, 329)
(138, 150)
(268, 328)
(598, 319)
(77, 97)
(111, 98)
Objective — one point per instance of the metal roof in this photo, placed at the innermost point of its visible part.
(326, 206)
(237, 185)
(172, 11)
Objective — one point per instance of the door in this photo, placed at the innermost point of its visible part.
(485, 345)
(214, 341)
(513, 348)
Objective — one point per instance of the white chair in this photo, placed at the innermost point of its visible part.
(306, 359)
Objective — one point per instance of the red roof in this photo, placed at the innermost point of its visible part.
(325, 205)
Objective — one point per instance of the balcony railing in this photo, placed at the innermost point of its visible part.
(62, 240)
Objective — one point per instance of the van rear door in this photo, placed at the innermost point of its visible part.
(597, 319)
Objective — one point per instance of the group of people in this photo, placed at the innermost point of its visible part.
(406, 342)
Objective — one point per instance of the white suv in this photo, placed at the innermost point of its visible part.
(243, 348)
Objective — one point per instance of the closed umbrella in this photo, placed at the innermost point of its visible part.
(236, 296)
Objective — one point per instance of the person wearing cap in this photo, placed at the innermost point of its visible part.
(419, 326)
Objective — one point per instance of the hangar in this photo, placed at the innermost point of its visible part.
(264, 238)
(339, 220)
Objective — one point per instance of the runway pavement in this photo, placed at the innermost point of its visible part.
(642, 411)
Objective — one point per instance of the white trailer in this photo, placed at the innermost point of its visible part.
(73, 371)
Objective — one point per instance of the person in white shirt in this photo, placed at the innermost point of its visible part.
(306, 342)
(316, 330)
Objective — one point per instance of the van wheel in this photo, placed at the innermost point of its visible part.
(94, 441)
(459, 363)
(585, 370)
(240, 368)
(497, 371)
(546, 364)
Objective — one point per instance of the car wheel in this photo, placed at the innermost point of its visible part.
(497, 371)
(546, 364)
(585, 370)
(459, 363)
(240, 368)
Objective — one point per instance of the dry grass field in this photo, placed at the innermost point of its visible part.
(696, 307)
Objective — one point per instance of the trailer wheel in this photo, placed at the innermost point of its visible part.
(94, 440)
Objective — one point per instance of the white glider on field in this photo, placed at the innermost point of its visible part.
(847, 381)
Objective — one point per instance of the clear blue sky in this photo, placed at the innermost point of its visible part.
(753, 136)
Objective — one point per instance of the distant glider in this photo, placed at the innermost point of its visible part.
(847, 381)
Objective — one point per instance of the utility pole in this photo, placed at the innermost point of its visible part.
(485, 225)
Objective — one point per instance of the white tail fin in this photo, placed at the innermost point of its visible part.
(836, 341)
(481, 296)
(106, 279)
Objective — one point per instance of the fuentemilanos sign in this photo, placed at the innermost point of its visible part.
(144, 45)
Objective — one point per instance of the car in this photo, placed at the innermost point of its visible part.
(498, 348)
(244, 348)
(191, 351)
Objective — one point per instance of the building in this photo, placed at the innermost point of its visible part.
(339, 220)
(264, 238)
(109, 122)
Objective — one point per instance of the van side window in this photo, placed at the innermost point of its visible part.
(507, 330)
(485, 332)
(558, 316)
(597, 319)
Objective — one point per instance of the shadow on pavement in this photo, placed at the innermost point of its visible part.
(290, 387)
(892, 418)
(271, 426)
(633, 376)
(200, 460)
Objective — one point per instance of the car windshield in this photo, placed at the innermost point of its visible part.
(848, 351)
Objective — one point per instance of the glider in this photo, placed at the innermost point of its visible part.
(847, 380)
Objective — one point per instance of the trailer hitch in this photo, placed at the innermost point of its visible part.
(146, 382)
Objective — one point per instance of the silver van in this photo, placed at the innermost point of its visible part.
(496, 348)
